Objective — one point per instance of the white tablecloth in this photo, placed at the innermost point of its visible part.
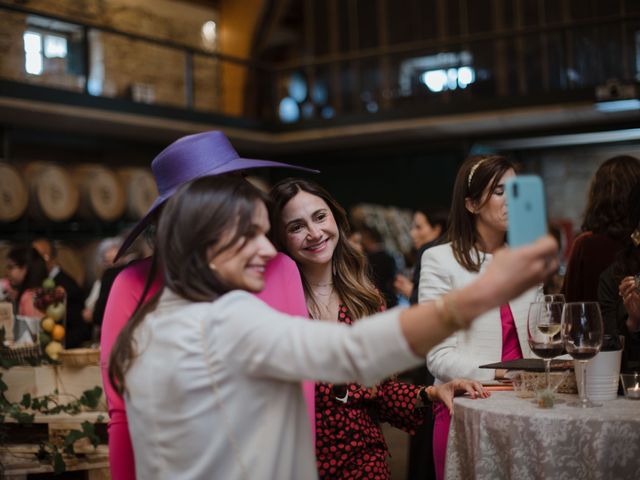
(509, 437)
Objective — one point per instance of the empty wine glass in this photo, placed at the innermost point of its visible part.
(544, 333)
(582, 332)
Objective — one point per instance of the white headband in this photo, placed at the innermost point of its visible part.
(472, 171)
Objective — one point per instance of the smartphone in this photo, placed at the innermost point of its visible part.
(526, 209)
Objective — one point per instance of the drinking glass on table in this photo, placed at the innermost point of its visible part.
(544, 333)
(582, 332)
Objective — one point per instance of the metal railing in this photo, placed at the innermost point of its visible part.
(518, 66)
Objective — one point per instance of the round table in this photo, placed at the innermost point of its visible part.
(505, 436)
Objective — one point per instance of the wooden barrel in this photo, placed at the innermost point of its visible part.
(101, 195)
(52, 193)
(141, 190)
(13, 194)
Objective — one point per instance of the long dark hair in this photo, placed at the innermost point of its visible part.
(611, 185)
(628, 259)
(350, 269)
(203, 218)
(476, 175)
(27, 256)
(437, 217)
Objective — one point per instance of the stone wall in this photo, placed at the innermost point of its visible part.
(567, 174)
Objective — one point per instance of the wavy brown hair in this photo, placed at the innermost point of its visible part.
(477, 174)
(202, 219)
(350, 268)
(607, 205)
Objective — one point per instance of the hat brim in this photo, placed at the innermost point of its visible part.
(236, 165)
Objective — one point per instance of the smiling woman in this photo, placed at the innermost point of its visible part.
(311, 227)
(211, 374)
(244, 263)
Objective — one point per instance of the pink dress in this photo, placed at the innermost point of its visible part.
(26, 306)
(283, 291)
(442, 420)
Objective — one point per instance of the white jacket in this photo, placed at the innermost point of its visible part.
(215, 391)
(462, 353)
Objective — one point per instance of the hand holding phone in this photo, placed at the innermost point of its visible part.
(526, 210)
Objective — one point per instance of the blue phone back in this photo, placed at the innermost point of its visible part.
(526, 208)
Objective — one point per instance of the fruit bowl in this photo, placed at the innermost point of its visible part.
(79, 357)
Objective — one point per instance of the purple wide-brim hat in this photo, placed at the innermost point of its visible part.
(191, 157)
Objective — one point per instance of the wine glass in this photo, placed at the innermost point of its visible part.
(544, 333)
(582, 332)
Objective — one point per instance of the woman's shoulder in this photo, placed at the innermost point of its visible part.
(134, 272)
(595, 242)
(439, 253)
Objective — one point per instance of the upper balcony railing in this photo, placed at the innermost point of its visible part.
(521, 66)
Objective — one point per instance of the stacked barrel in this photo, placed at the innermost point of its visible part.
(48, 192)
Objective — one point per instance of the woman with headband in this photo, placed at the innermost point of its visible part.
(477, 228)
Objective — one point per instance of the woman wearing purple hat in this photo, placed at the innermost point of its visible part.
(211, 374)
(189, 158)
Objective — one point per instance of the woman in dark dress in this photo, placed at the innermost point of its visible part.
(618, 291)
(311, 227)
(605, 227)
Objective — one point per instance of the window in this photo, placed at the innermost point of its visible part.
(33, 53)
(38, 46)
(55, 46)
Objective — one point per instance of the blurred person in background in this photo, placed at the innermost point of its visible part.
(140, 248)
(382, 266)
(78, 330)
(355, 239)
(605, 227)
(477, 230)
(105, 255)
(427, 230)
(25, 271)
(619, 291)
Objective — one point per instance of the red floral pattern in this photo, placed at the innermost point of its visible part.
(349, 442)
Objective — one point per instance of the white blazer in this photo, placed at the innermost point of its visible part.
(462, 353)
(215, 392)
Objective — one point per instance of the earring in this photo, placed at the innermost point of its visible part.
(212, 266)
(635, 237)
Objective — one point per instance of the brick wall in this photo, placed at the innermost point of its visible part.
(119, 62)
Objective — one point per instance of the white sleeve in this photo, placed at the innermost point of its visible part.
(264, 342)
(446, 360)
(435, 279)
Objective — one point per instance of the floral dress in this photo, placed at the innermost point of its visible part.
(349, 441)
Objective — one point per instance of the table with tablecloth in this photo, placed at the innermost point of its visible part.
(506, 436)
